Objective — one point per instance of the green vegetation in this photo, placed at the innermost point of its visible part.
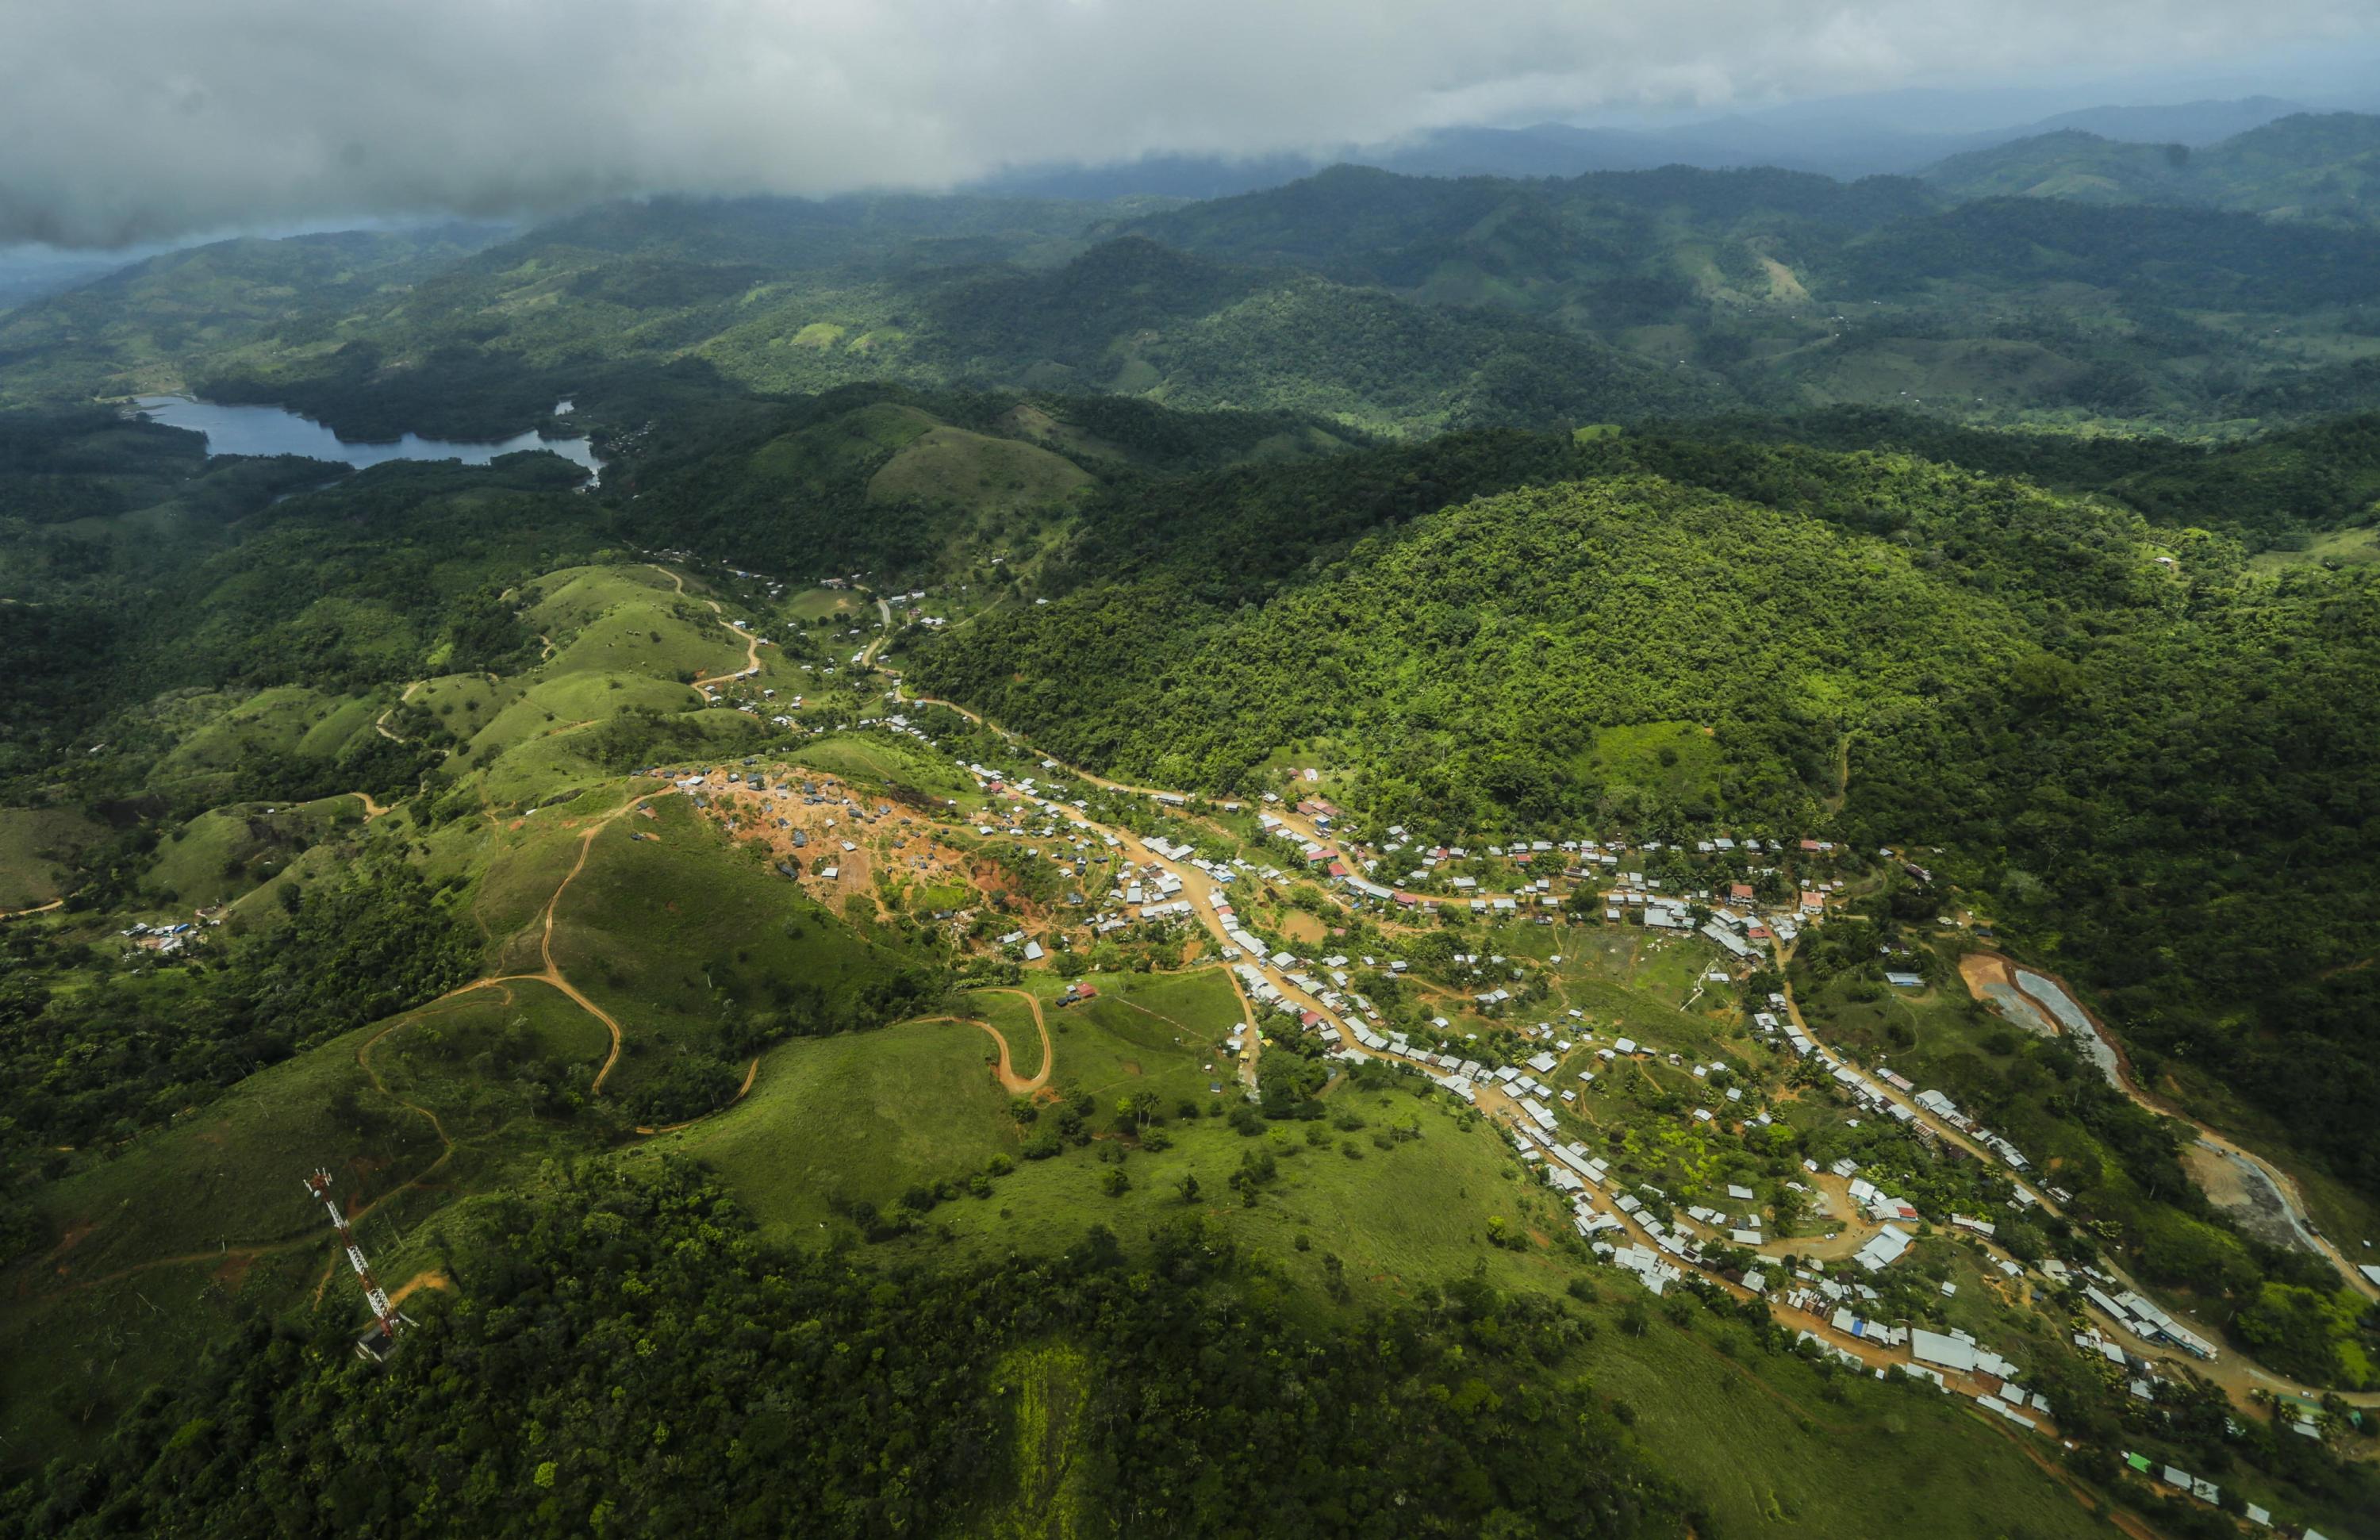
(1385, 303)
(577, 873)
(37, 850)
(2317, 167)
(829, 1366)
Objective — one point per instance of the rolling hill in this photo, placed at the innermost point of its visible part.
(679, 999)
(1386, 304)
(2305, 166)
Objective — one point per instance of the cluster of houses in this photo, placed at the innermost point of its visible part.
(2207, 1491)
(1601, 1214)
(165, 939)
(2144, 1318)
(1735, 926)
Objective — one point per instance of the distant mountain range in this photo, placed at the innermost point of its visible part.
(2060, 278)
(2304, 167)
(1843, 142)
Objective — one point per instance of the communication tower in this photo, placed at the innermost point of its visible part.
(375, 1344)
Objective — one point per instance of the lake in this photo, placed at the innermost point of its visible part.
(278, 430)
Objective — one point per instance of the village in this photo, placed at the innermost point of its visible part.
(1199, 882)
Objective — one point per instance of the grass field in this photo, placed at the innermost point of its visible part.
(226, 852)
(862, 1116)
(2345, 547)
(287, 721)
(1675, 758)
(973, 470)
(842, 444)
(810, 605)
(659, 930)
(1012, 1016)
(1770, 1445)
(870, 757)
(34, 844)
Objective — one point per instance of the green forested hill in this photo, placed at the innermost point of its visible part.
(470, 763)
(2283, 489)
(1537, 244)
(1465, 667)
(2323, 167)
(136, 330)
(487, 347)
(1390, 304)
(2184, 258)
(1807, 611)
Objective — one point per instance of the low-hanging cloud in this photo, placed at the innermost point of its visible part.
(133, 121)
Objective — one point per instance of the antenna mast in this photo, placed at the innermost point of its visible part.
(375, 1344)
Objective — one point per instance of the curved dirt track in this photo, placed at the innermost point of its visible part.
(751, 642)
(380, 724)
(1004, 1071)
(551, 974)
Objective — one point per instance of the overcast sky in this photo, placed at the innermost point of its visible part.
(126, 121)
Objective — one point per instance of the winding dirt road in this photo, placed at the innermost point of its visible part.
(553, 975)
(1006, 1071)
(380, 724)
(1982, 969)
(751, 640)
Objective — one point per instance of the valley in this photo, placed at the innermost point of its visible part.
(1659, 854)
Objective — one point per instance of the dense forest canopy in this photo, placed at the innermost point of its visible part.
(768, 1390)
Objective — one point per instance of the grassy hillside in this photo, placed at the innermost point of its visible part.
(139, 329)
(574, 881)
(954, 467)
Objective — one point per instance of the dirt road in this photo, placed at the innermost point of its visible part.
(380, 724)
(751, 640)
(553, 975)
(2274, 1203)
(1004, 1071)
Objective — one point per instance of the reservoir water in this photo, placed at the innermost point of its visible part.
(277, 431)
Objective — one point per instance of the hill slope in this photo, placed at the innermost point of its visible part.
(2323, 167)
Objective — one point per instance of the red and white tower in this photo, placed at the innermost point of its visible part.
(375, 1343)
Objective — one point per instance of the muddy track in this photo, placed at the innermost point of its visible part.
(553, 975)
(2283, 1185)
(1004, 1071)
(751, 642)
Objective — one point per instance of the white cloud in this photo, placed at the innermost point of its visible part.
(122, 120)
